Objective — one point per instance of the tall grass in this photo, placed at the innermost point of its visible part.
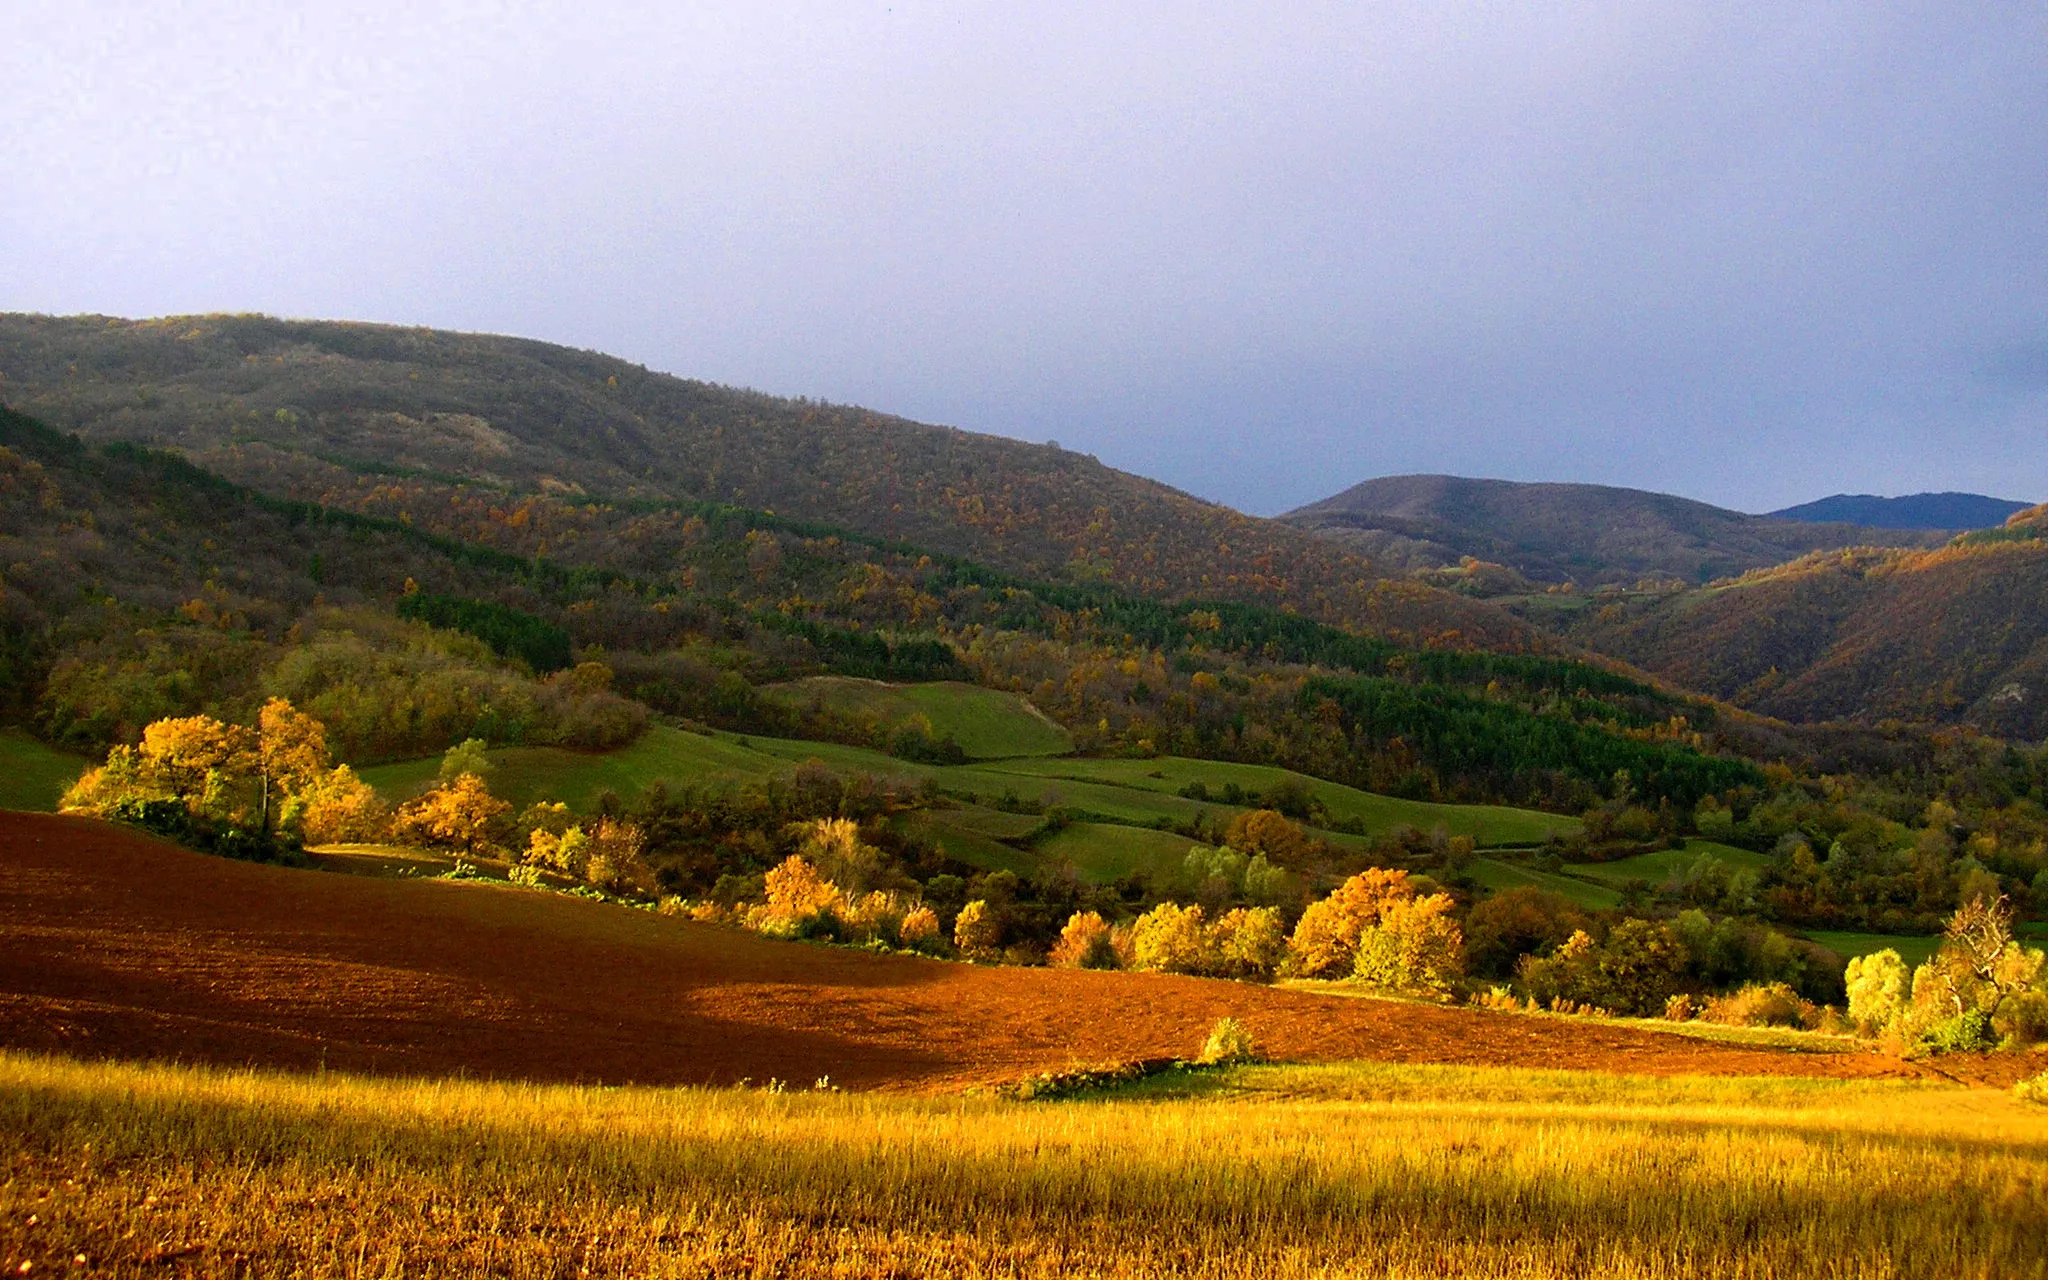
(1401, 1172)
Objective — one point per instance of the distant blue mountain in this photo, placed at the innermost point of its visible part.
(1915, 511)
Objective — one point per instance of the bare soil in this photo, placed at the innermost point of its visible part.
(116, 945)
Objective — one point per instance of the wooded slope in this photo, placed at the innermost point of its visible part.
(533, 417)
(1957, 635)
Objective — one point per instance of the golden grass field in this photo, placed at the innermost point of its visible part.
(1383, 1170)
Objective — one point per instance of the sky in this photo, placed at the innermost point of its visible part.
(1752, 254)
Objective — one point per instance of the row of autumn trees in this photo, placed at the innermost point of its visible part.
(264, 791)
(1377, 927)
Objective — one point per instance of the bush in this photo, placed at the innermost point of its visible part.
(1681, 1008)
(2033, 1089)
(1877, 990)
(920, 929)
(1637, 968)
(1247, 943)
(978, 932)
(2022, 1018)
(1775, 1005)
(1084, 944)
(1228, 1042)
(1966, 1032)
(1416, 946)
(1171, 939)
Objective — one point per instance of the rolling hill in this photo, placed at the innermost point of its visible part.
(1590, 535)
(309, 408)
(1956, 635)
(1947, 511)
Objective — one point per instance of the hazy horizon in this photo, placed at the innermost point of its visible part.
(1753, 259)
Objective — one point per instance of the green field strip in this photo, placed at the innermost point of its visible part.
(986, 723)
(1912, 948)
(974, 848)
(1499, 876)
(1102, 852)
(33, 776)
(1659, 867)
(1490, 825)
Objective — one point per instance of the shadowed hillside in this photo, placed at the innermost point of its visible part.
(1958, 635)
(271, 400)
(1581, 533)
(1950, 511)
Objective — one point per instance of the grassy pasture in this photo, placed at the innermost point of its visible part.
(1102, 851)
(1486, 824)
(987, 723)
(1498, 876)
(1912, 950)
(1287, 1172)
(1656, 868)
(662, 754)
(32, 776)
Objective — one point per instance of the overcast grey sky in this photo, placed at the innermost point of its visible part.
(1752, 254)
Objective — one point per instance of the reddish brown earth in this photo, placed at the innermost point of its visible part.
(112, 944)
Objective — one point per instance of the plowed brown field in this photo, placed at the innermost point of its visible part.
(112, 944)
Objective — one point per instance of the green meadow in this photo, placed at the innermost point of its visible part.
(32, 776)
(987, 723)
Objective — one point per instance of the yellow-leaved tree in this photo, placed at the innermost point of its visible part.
(462, 814)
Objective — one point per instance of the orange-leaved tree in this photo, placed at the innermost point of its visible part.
(1325, 940)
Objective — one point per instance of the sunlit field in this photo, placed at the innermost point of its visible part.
(1261, 1171)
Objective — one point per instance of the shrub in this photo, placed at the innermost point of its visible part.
(463, 815)
(920, 929)
(1248, 943)
(617, 862)
(1681, 1008)
(1634, 971)
(2033, 1089)
(2022, 1018)
(1171, 939)
(1775, 1005)
(978, 932)
(1877, 990)
(335, 807)
(1966, 1032)
(1514, 923)
(1416, 946)
(1084, 944)
(800, 902)
(1228, 1042)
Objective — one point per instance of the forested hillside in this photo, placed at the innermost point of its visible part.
(1588, 535)
(286, 402)
(1958, 635)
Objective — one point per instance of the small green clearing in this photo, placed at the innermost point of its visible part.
(975, 848)
(32, 776)
(1665, 864)
(1490, 825)
(1913, 949)
(525, 774)
(987, 723)
(1102, 852)
(1498, 876)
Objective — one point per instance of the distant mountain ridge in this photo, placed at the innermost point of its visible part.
(1586, 534)
(1949, 511)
